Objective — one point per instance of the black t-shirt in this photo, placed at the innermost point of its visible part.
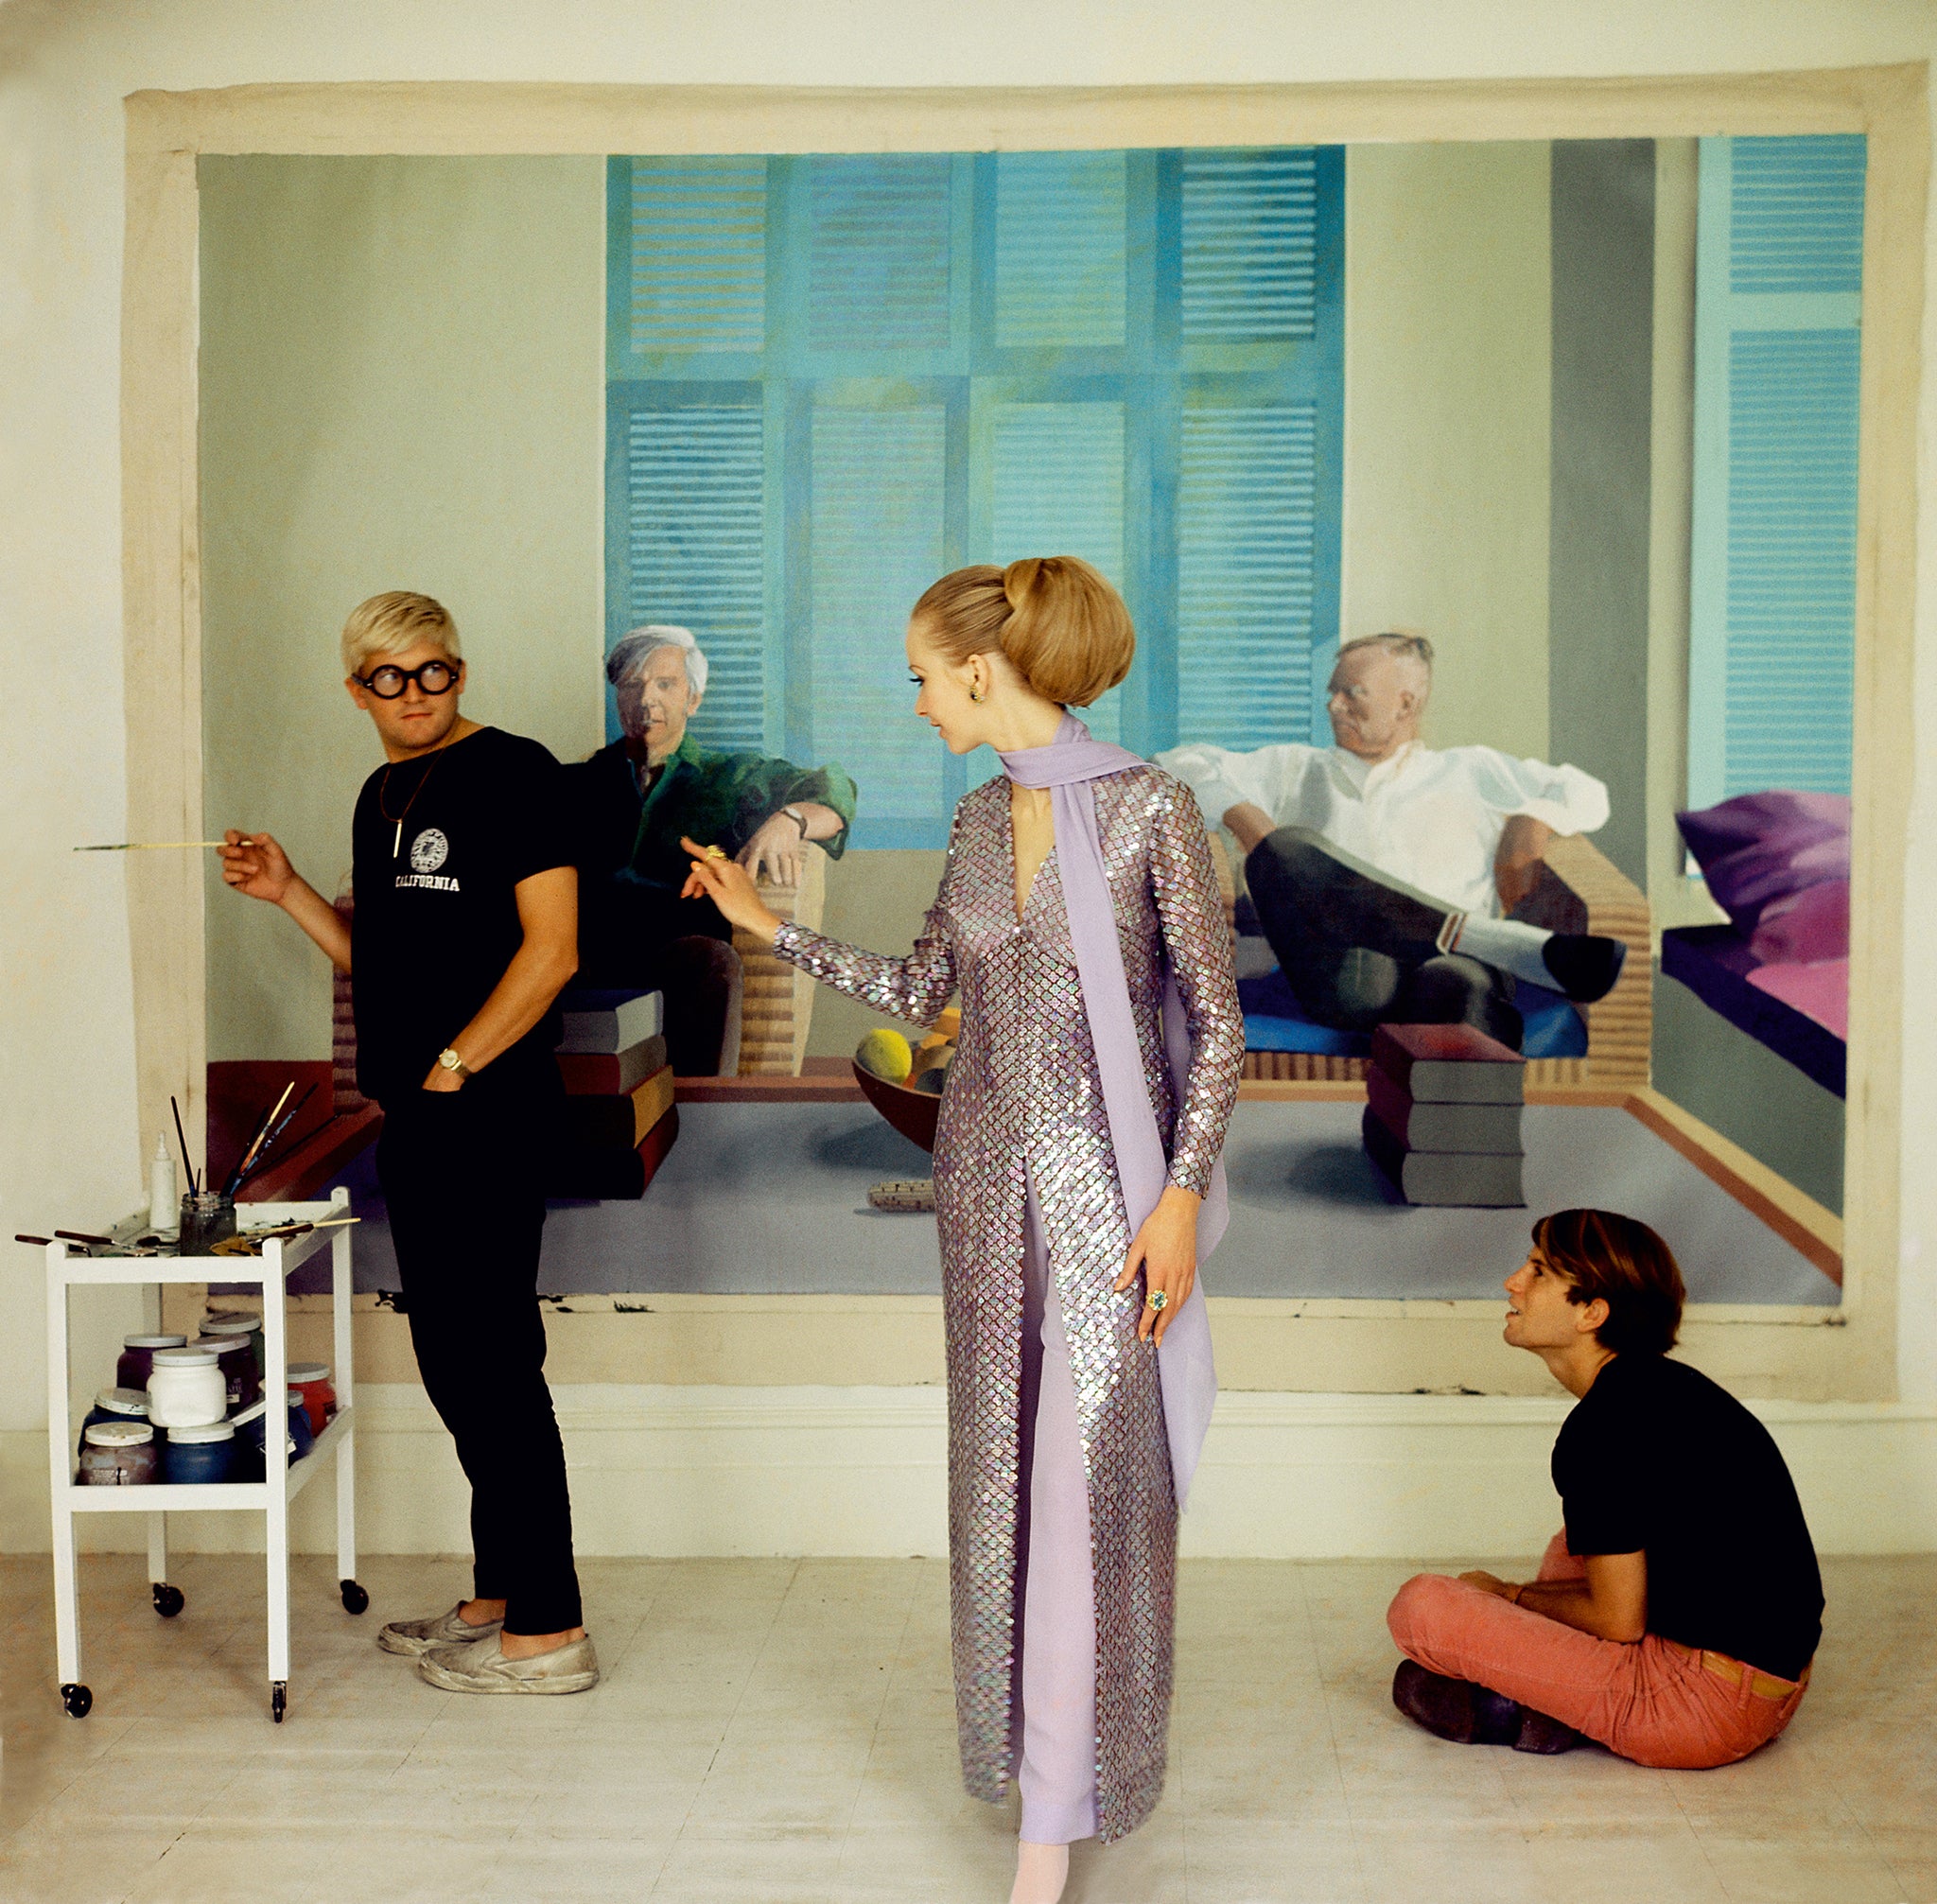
(437, 919)
(1656, 1458)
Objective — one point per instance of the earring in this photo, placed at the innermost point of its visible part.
(975, 694)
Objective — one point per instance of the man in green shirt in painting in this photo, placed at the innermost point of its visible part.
(634, 799)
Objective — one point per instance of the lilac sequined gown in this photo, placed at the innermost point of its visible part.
(1023, 1108)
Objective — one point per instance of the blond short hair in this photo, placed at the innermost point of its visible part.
(1061, 623)
(1403, 645)
(391, 622)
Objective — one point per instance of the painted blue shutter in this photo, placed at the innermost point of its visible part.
(878, 264)
(1778, 349)
(1059, 482)
(695, 552)
(1246, 507)
(1247, 496)
(878, 496)
(1060, 249)
(699, 255)
(1250, 221)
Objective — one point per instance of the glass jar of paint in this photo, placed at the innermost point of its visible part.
(137, 1358)
(200, 1455)
(119, 1454)
(319, 1397)
(115, 1404)
(186, 1389)
(207, 1217)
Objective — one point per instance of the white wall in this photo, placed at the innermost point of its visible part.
(1448, 374)
(807, 1469)
(67, 1117)
(402, 386)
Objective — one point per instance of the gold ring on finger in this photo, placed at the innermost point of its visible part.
(1157, 1299)
(716, 852)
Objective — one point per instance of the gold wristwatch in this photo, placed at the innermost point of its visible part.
(453, 1063)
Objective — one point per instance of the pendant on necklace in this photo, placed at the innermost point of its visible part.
(397, 844)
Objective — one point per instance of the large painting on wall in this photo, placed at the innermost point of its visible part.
(1488, 519)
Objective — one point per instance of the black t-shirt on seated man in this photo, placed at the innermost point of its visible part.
(440, 848)
(1655, 1458)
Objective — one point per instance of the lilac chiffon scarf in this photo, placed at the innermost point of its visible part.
(1066, 767)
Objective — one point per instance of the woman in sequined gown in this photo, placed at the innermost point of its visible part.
(1064, 1475)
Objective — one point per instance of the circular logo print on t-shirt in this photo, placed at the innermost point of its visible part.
(429, 850)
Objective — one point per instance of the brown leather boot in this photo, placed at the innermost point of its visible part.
(1454, 1708)
(1473, 1715)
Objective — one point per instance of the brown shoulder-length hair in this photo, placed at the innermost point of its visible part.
(1625, 1263)
(1062, 625)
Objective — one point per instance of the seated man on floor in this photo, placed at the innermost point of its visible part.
(631, 803)
(1675, 1618)
(1378, 867)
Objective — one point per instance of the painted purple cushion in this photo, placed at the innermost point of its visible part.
(1820, 991)
(1805, 928)
(1760, 848)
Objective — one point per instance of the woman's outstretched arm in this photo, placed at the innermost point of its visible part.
(915, 987)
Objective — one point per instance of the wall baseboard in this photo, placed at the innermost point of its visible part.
(732, 1470)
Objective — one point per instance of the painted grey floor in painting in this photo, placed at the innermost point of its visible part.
(781, 1732)
(763, 1199)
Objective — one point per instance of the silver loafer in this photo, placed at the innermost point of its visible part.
(481, 1666)
(416, 1636)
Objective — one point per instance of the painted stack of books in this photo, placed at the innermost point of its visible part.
(1443, 1115)
(620, 1118)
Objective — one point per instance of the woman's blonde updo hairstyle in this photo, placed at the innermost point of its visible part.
(1063, 627)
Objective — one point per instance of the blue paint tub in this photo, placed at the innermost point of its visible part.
(200, 1455)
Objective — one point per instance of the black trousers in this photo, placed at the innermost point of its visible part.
(1359, 949)
(462, 1175)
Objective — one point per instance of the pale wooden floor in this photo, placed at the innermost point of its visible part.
(776, 1731)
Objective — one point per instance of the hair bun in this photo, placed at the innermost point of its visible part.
(1020, 579)
(1057, 619)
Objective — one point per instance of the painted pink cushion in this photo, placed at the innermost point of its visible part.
(1757, 849)
(1820, 991)
(1805, 928)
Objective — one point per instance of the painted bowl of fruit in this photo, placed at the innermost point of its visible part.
(905, 1082)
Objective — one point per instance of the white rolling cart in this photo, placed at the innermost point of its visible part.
(269, 1498)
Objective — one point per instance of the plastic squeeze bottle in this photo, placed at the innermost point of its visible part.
(164, 1196)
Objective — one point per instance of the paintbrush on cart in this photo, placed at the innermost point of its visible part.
(255, 1144)
(268, 1143)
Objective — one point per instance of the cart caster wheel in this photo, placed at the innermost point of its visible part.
(354, 1598)
(278, 1699)
(170, 1601)
(79, 1701)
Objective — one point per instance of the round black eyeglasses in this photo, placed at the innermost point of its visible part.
(387, 684)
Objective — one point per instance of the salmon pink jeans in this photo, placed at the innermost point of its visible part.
(1651, 1701)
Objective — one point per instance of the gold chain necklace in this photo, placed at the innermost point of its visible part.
(383, 787)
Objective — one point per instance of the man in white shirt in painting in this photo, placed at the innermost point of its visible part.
(1378, 867)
